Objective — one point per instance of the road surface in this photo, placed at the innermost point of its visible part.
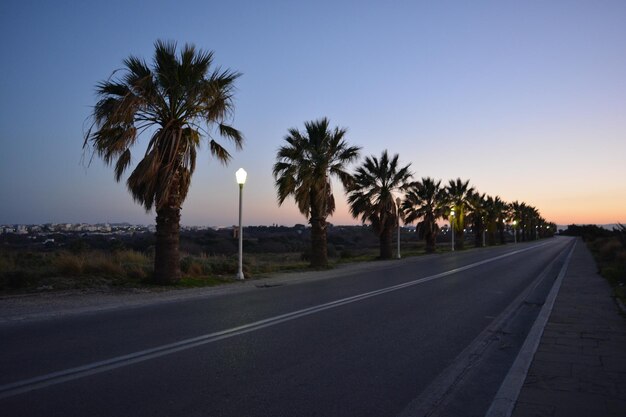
(435, 333)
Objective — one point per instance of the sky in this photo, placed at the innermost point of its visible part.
(527, 100)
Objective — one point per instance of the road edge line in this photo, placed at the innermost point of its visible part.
(435, 394)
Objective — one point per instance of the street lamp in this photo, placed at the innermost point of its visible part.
(241, 175)
(515, 230)
(452, 227)
(398, 201)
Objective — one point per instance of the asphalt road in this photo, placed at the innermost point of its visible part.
(363, 344)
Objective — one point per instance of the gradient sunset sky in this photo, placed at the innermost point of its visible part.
(525, 99)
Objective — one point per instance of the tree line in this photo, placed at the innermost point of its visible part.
(382, 192)
(181, 99)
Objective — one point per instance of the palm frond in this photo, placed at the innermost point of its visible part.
(219, 152)
(307, 161)
(122, 163)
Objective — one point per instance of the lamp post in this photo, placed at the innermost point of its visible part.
(398, 201)
(452, 227)
(482, 224)
(241, 175)
(514, 231)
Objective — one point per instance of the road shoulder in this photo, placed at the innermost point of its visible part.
(579, 368)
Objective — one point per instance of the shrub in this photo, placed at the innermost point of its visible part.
(346, 254)
(608, 249)
(131, 257)
(195, 269)
(620, 232)
(196, 266)
(137, 273)
(68, 264)
(103, 266)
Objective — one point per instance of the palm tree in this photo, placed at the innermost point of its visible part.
(425, 200)
(458, 193)
(501, 212)
(371, 196)
(303, 169)
(495, 217)
(517, 215)
(477, 209)
(178, 100)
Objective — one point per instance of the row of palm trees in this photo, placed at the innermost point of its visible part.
(381, 192)
(181, 99)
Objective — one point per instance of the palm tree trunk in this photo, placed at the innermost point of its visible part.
(430, 234)
(502, 239)
(430, 241)
(478, 234)
(319, 249)
(386, 245)
(166, 256)
(459, 239)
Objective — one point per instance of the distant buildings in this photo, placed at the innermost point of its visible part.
(48, 228)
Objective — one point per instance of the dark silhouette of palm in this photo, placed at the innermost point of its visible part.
(177, 101)
(425, 200)
(458, 193)
(477, 210)
(371, 196)
(303, 169)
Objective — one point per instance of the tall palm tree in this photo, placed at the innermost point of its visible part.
(371, 196)
(178, 101)
(425, 200)
(458, 193)
(303, 170)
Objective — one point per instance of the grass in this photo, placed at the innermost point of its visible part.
(28, 271)
(67, 270)
(610, 256)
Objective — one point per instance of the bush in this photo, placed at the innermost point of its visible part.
(104, 267)
(346, 254)
(137, 273)
(132, 257)
(68, 264)
(614, 273)
(611, 259)
(620, 232)
(608, 249)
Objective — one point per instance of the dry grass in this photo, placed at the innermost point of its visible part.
(610, 256)
(63, 269)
